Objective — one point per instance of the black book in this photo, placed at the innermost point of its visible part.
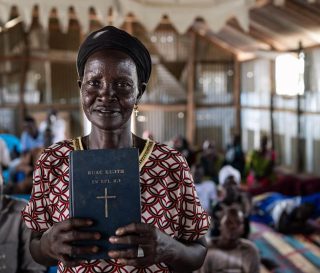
(105, 187)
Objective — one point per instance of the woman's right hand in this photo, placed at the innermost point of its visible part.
(57, 241)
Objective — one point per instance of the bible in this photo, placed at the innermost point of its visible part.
(105, 187)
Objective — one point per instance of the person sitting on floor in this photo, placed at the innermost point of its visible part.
(53, 128)
(31, 137)
(235, 156)
(206, 189)
(211, 160)
(15, 256)
(21, 182)
(229, 252)
(4, 155)
(259, 165)
(231, 196)
(288, 214)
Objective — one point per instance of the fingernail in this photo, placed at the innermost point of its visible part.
(97, 236)
(90, 222)
(112, 239)
(118, 232)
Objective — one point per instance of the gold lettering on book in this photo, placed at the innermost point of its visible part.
(101, 172)
(106, 197)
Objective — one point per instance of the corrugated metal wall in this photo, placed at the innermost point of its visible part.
(255, 121)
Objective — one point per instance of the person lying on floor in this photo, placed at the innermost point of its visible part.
(229, 252)
(288, 214)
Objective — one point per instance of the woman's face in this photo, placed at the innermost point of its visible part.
(109, 89)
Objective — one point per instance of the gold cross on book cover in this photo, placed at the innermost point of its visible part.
(106, 197)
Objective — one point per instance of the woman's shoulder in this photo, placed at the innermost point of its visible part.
(166, 149)
(165, 152)
(59, 149)
(158, 148)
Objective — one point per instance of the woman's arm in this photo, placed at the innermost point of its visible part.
(187, 256)
(25, 261)
(37, 254)
(158, 247)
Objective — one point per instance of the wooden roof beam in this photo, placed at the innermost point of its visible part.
(261, 33)
(314, 7)
(203, 31)
(299, 9)
(300, 24)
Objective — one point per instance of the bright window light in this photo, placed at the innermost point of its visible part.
(290, 75)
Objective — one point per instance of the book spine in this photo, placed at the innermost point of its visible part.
(71, 207)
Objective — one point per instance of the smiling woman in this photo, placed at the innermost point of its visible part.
(109, 92)
(114, 69)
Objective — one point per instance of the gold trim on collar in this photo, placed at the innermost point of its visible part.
(146, 152)
(77, 144)
(143, 157)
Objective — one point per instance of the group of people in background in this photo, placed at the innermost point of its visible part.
(255, 167)
(18, 156)
(223, 183)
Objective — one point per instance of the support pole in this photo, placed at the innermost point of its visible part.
(191, 120)
(237, 96)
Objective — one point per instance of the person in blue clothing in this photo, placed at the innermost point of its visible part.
(13, 144)
(31, 137)
(11, 152)
(288, 214)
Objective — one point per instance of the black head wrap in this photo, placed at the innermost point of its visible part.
(110, 37)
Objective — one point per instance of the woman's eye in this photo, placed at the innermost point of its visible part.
(94, 83)
(126, 85)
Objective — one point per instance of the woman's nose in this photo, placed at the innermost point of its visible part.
(107, 92)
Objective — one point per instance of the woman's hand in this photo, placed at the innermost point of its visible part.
(57, 241)
(154, 243)
(158, 247)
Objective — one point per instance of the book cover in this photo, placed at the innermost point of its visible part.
(105, 187)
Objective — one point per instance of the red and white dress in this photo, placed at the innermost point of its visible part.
(168, 199)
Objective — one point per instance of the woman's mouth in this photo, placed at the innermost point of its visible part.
(107, 112)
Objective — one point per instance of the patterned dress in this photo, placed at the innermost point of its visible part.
(168, 199)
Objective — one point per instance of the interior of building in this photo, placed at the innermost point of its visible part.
(220, 69)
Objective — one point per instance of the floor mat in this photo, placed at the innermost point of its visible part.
(287, 254)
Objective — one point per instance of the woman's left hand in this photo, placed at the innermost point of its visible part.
(156, 245)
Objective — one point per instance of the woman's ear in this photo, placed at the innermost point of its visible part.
(142, 88)
(79, 83)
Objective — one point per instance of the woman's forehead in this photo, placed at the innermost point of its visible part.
(101, 62)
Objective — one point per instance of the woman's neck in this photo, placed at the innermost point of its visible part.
(109, 139)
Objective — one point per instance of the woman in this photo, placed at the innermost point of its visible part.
(113, 69)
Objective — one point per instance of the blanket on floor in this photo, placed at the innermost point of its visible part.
(287, 254)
